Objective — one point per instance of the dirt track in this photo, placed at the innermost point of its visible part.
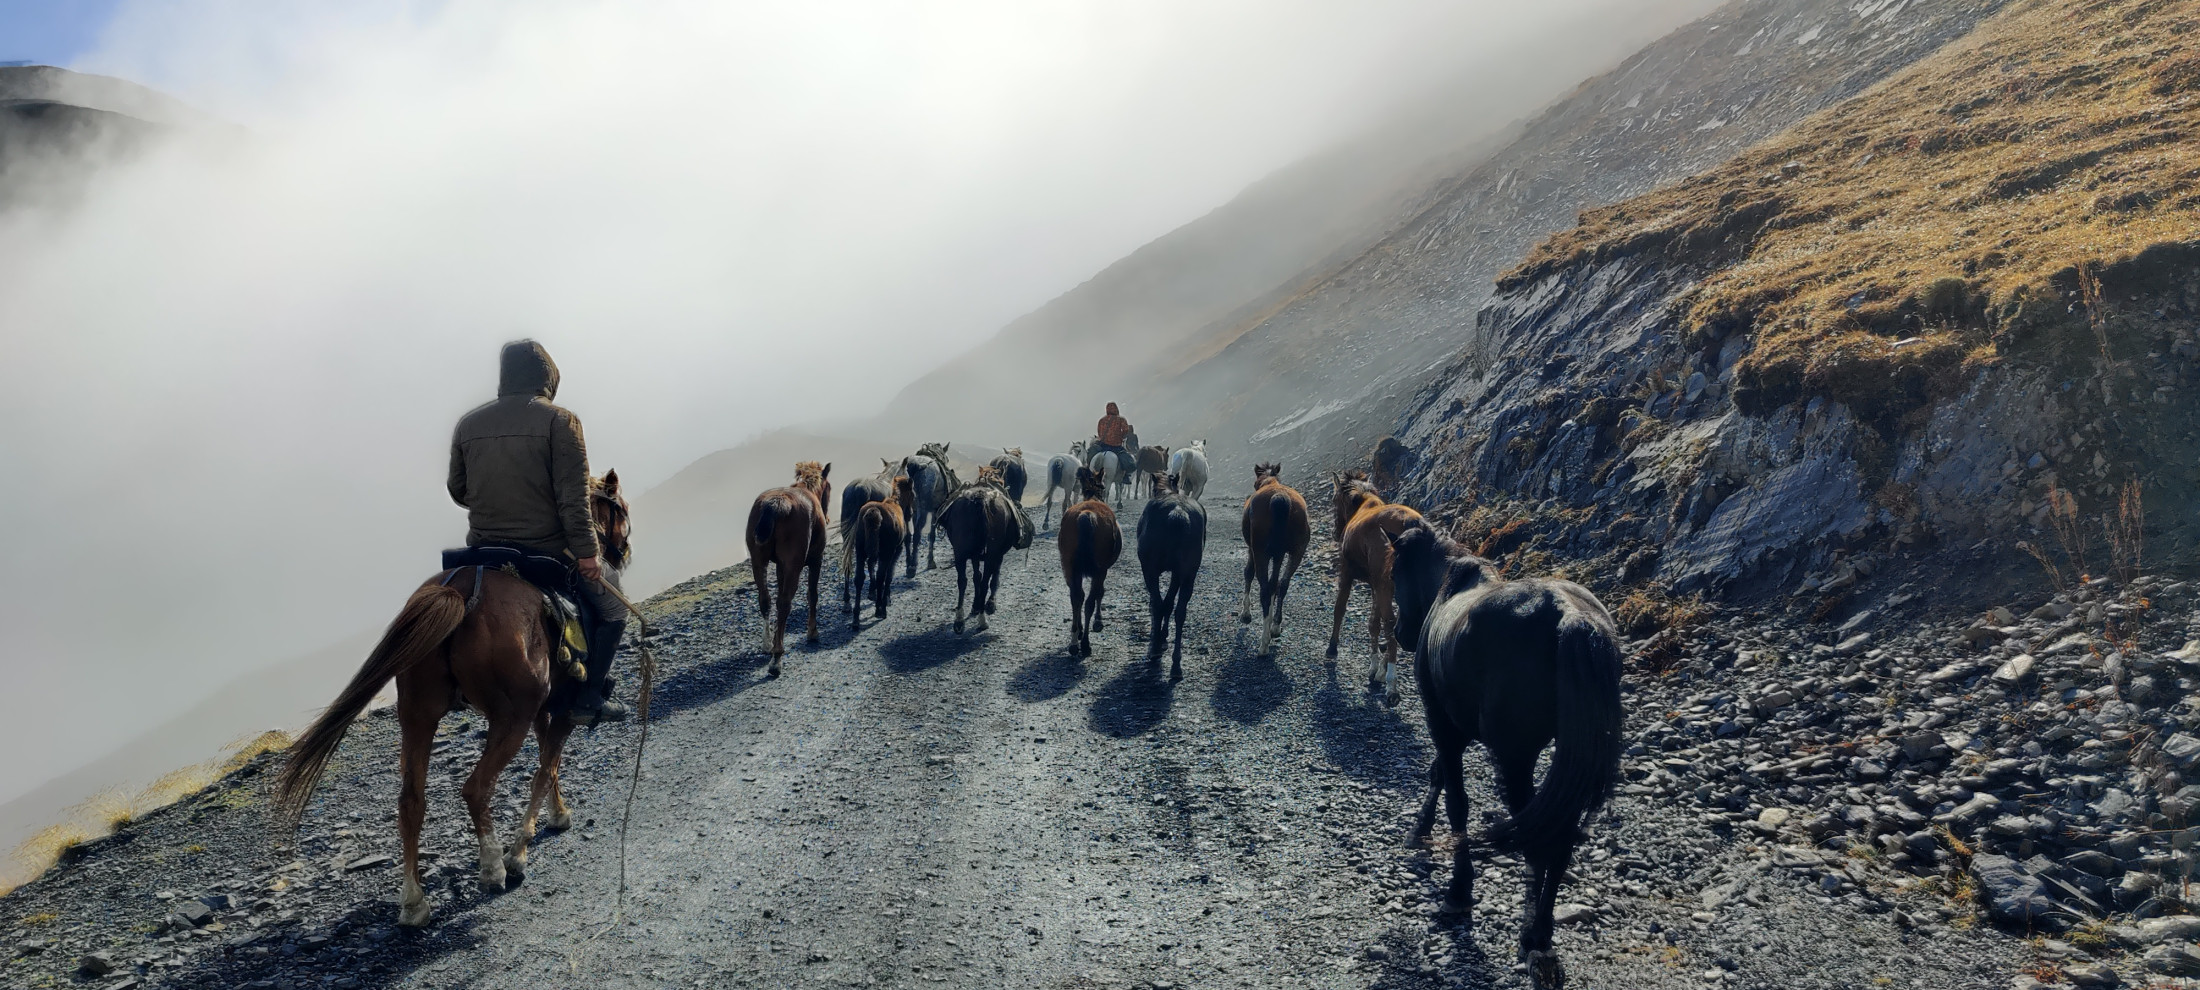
(907, 807)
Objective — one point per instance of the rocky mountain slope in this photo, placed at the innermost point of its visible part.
(1325, 373)
(1956, 313)
(57, 125)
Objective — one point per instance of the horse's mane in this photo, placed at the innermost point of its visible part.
(807, 473)
(938, 453)
(605, 489)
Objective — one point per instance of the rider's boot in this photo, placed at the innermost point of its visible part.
(592, 700)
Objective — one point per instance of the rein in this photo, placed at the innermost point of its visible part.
(634, 779)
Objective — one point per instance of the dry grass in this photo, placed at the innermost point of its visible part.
(1944, 218)
(104, 813)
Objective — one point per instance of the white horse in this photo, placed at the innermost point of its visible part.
(1189, 465)
(1109, 466)
(1062, 474)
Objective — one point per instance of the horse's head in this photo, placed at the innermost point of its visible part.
(1163, 484)
(1015, 452)
(988, 475)
(905, 493)
(614, 525)
(812, 477)
(1426, 568)
(1091, 483)
(1351, 492)
(1077, 450)
(1267, 473)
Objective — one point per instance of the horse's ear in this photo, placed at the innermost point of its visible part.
(944, 446)
(611, 482)
(828, 472)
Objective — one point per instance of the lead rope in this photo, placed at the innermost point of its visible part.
(634, 779)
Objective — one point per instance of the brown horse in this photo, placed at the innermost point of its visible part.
(482, 640)
(787, 528)
(1090, 543)
(880, 528)
(1362, 519)
(982, 525)
(1152, 460)
(1276, 531)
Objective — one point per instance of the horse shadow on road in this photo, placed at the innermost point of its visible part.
(1249, 688)
(1046, 677)
(917, 652)
(1363, 737)
(364, 947)
(1135, 700)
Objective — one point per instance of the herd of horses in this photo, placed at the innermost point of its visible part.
(1518, 665)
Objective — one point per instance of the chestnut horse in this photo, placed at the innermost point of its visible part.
(481, 640)
(1276, 531)
(1152, 460)
(787, 528)
(880, 528)
(982, 526)
(859, 493)
(1090, 543)
(1364, 523)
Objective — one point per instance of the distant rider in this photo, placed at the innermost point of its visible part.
(520, 469)
(1111, 433)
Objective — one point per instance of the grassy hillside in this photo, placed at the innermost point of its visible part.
(1949, 217)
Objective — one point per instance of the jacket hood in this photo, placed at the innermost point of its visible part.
(1111, 409)
(526, 369)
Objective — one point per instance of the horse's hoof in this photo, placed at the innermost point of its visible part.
(492, 880)
(1545, 969)
(773, 670)
(1454, 905)
(559, 821)
(1245, 618)
(1332, 654)
(1391, 698)
(515, 870)
(414, 915)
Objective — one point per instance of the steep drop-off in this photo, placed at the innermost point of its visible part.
(1958, 308)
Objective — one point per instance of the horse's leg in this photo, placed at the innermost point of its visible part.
(1382, 625)
(816, 563)
(549, 744)
(1344, 597)
(757, 563)
(1157, 611)
(1076, 615)
(561, 817)
(1180, 588)
(961, 588)
(507, 732)
(789, 581)
(1547, 865)
(854, 606)
(421, 703)
(1289, 566)
(981, 579)
(1245, 597)
(932, 548)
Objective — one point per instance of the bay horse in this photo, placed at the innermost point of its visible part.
(859, 493)
(1276, 528)
(787, 529)
(1090, 542)
(1014, 477)
(1516, 666)
(880, 528)
(1152, 460)
(1172, 536)
(933, 482)
(981, 528)
(1189, 466)
(1362, 521)
(1062, 474)
(482, 641)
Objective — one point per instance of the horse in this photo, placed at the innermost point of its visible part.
(1276, 530)
(1062, 474)
(1152, 460)
(876, 488)
(1363, 555)
(1516, 666)
(484, 643)
(1010, 466)
(878, 534)
(1090, 543)
(787, 528)
(1172, 535)
(933, 482)
(981, 527)
(1110, 468)
(1189, 464)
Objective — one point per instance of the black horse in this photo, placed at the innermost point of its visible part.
(981, 528)
(1172, 534)
(1010, 466)
(1515, 665)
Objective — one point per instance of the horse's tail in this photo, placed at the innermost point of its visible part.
(1279, 527)
(1585, 763)
(767, 516)
(1088, 533)
(427, 619)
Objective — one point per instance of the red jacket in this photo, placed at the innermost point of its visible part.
(1113, 428)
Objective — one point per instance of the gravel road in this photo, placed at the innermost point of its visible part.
(907, 807)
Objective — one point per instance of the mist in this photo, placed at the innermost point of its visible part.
(234, 360)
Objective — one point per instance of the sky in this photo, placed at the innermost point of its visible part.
(235, 360)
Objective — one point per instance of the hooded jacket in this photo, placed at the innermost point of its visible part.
(519, 465)
(1113, 428)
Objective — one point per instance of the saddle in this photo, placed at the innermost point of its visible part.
(563, 607)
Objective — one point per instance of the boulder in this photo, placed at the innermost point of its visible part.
(2015, 898)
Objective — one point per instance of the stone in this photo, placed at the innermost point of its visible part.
(1977, 808)
(2091, 975)
(1920, 745)
(2170, 928)
(2015, 898)
(95, 964)
(2181, 750)
(192, 914)
(1773, 702)
(1853, 645)
(1773, 818)
(2015, 670)
(2093, 861)
(2173, 960)
(1572, 914)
